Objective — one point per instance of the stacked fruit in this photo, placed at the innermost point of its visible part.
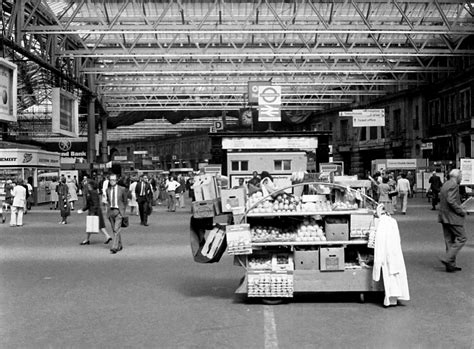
(270, 285)
(266, 233)
(263, 262)
(344, 205)
(310, 230)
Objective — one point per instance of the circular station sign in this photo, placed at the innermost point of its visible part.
(269, 95)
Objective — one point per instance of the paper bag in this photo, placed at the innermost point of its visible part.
(92, 224)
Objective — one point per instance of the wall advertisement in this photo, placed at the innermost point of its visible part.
(467, 169)
(8, 88)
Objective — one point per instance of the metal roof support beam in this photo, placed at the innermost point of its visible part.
(403, 13)
(17, 48)
(443, 15)
(343, 29)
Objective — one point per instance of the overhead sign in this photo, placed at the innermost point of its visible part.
(336, 167)
(140, 152)
(8, 88)
(427, 146)
(253, 90)
(401, 163)
(365, 117)
(120, 157)
(30, 157)
(269, 103)
(65, 113)
(218, 125)
(270, 143)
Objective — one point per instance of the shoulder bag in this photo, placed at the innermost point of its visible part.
(124, 222)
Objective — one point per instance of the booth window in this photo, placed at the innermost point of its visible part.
(282, 165)
(240, 165)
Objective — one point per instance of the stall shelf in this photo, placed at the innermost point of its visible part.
(344, 277)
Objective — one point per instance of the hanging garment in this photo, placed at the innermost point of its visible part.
(388, 258)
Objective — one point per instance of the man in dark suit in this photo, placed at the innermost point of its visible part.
(451, 215)
(435, 187)
(144, 199)
(117, 203)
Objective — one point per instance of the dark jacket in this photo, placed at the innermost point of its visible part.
(450, 210)
(122, 196)
(148, 192)
(435, 183)
(92, 203)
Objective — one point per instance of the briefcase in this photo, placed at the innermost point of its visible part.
(92, 224)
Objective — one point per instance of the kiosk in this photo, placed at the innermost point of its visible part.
(38, 165)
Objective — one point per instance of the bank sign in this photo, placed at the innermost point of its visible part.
(20, 157)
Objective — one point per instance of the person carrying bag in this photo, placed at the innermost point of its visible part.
(95, 222)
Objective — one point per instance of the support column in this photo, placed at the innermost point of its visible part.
(103, 148)
(91, 131)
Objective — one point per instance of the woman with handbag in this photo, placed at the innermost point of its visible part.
(95, 218)
(63, 200)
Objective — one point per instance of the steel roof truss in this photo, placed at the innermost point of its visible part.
(443, 15)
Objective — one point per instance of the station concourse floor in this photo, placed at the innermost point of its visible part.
(57, 294)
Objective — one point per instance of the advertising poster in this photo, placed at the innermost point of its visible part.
(467, 166)
(8, 86)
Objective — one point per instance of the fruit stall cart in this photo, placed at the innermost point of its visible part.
(310, 243)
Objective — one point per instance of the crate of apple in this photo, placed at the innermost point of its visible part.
(261, 233)
(286, 203)
(310, 230)
(344, 205)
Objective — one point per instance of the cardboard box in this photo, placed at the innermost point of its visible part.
(307, 260)
(209, 188)
(282, 262)
(205, 188)
(232, 198)
(198, 193)
(204, 209)
(336, 231)
(361, 225)
(331, 258)
(239, 239)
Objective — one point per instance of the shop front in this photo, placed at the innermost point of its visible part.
(38, 167)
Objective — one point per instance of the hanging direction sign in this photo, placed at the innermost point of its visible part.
(366, 117)
(269, 103)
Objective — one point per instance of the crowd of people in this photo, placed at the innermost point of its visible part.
(448, 195)
(110, 196)
(105, 196)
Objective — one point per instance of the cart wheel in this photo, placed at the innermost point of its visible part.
(272, 301)
(362, 297)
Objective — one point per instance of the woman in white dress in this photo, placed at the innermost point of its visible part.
(132, 202)
(72, 192)
(54, 194)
